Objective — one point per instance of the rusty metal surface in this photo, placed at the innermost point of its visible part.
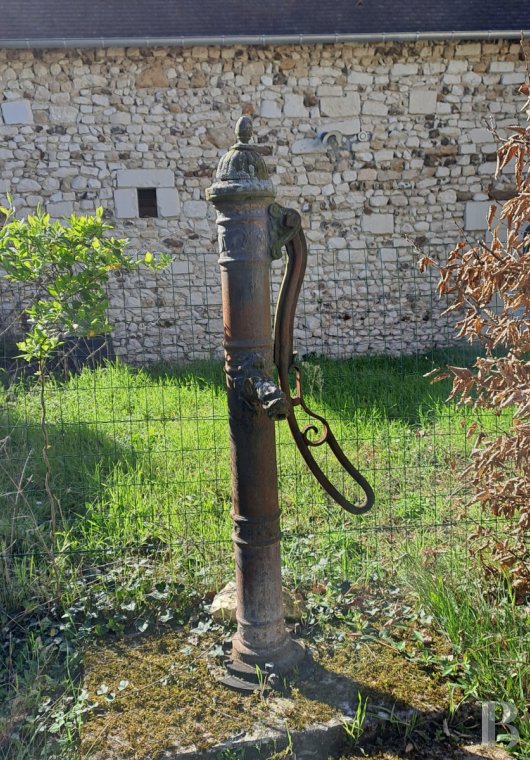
(257, 388)
(241, 195)
(312, 435)
(252, 230)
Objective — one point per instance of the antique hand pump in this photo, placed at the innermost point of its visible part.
(252, 230)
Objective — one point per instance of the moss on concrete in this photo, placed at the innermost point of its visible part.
(172, 700)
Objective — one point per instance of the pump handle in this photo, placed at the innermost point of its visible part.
(284, 359)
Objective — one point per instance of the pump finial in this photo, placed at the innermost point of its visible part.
(242, 169)
(244, 129)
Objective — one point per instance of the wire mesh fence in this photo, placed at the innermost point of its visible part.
(136, 431)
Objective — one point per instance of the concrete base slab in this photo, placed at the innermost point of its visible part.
(322, 742)
(174, 706)
(316, 742)
(272, 737)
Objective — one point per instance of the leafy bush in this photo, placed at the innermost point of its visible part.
(66, 268)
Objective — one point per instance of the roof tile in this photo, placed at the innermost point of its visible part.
(53, 19)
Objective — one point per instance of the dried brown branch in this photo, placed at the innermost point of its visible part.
(489, 284)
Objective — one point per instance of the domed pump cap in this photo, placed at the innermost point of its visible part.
(242, 169)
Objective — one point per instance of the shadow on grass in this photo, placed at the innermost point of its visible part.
(207, 372)
(393, 386)
(389, 704)
(81, 459)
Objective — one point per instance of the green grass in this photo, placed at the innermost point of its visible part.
(140, 466)
(488, 633)
(140, 459)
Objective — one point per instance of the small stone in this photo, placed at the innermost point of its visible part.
(153, 76)
(195, 209)
(489, 167)
(27, 186)
(423, 101)
(63, 114)
(286, 64)
(468, 49)
(309, 145)
(335, 243)
(270, 109)
(378, 224)
(360, 77)
(516, 78)
(79, 183)
(120, 117)
(447, 196)
(91, 80)
(168, 202)
(17, 112)
(476, 215)
(456, 67)
(367, 175)
(500, 67)
(485, 752)
(480, 135)
(220, 137)
(349, 105)
(145, 178)
(374, 108)
(198, 80)
(223, 607)
(388, 255)
(126, 204)
(60, 210)
(293, 106)
(330, 91)
(404, 69)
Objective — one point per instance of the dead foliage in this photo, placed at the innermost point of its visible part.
(488, 284)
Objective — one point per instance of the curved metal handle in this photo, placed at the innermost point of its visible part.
(284, 359)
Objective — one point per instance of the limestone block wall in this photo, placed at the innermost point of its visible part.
(381, 147)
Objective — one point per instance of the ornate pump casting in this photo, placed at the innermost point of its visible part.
(252, 230)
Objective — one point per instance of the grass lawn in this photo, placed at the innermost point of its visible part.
(140, 462)
(140, 470)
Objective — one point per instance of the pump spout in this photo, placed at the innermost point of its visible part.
(259, 391)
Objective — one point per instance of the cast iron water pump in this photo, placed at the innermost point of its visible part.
(252, 231)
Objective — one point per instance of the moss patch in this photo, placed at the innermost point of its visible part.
(158, 693)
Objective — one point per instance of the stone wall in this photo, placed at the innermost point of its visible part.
(381, 147)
